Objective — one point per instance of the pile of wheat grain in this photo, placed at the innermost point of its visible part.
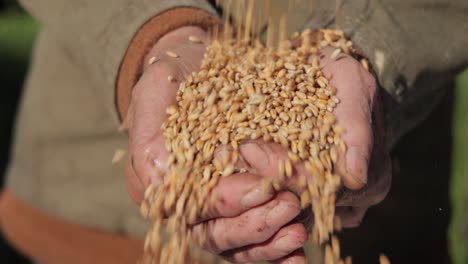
(245, 91)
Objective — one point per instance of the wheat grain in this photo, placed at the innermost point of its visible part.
(335, 54)
(118, 156)
(195, 39)
(152, 60)
(172, 54)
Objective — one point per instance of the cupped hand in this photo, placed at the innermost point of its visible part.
(246, 224)
(365, 167)
(154, 92)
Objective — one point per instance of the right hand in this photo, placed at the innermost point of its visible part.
(242, 228)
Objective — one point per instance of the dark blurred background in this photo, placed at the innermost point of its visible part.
(16, 35)
(410, 226)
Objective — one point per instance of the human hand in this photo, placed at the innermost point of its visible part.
(153, 93)
(241, 229)
(365, 167)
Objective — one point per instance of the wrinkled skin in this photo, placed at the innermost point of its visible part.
(259, 227)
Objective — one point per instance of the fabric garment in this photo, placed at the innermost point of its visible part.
(416, 47)
(48, 239)
(67, 129)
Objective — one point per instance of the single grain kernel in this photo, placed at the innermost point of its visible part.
(118, 156)
(172, 54)
(195, 39)
(335, 54)
(152, 60)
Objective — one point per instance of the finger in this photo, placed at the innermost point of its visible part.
(297, 257)
(356, 90)
(252, 227)
(351, 216)
(235, 194)
(263, 158)
(380, 174)
(283, 243)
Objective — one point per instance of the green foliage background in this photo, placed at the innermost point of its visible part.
(458, 232)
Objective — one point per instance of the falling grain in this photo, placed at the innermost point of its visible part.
(335, 54)
(365, 64)
(118, 156)
(152, 60)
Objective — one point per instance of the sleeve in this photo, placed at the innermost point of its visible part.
(415, 47)
(98, 34)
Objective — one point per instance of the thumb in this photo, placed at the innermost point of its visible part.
(357, 162)
(264, 158)
(353, 115)
(356, 89)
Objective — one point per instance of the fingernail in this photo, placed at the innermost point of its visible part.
(356, 165)
(255, 197)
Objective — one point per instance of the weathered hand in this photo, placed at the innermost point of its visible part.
(153, 93)
(365, 167)
(240, 229)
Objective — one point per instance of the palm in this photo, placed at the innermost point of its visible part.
(151, 96)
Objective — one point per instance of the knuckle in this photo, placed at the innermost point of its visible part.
(260, 231)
